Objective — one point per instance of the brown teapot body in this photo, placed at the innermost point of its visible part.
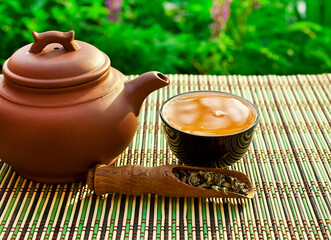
(55, 124)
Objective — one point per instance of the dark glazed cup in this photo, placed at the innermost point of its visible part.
(208, 151)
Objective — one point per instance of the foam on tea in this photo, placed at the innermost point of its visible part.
(209, 113)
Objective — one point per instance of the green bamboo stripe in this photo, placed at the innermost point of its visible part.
(289, 163)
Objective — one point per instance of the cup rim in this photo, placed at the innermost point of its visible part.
(257, 119)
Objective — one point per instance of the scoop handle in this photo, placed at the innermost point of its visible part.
(41, 40)
(130, 179)
(138, 180)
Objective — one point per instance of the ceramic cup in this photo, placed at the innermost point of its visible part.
(208, 150)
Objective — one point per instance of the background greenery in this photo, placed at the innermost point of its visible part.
(260, 37)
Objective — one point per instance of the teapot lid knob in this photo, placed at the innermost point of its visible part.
(41, 40)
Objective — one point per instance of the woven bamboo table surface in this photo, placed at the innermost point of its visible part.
(288, 162)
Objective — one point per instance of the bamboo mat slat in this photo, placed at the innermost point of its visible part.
(289, 163)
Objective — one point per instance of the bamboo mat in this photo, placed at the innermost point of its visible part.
(288, 162)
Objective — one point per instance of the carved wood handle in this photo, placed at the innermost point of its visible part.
(138, 180)
(41, 40)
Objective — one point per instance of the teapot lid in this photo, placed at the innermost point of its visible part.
(55, 60)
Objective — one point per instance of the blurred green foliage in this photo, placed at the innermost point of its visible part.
(260, 37)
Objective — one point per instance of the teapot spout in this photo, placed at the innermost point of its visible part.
(139, 88)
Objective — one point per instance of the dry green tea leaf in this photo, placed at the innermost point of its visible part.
(212, 180)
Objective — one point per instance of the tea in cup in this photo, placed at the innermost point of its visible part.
(208, 128)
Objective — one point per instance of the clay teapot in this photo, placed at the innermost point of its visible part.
(64, 109)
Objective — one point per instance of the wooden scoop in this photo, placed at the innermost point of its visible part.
(137, 180)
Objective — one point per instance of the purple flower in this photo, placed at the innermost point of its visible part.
(220, 13)
(256, 4)
(114, 9)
